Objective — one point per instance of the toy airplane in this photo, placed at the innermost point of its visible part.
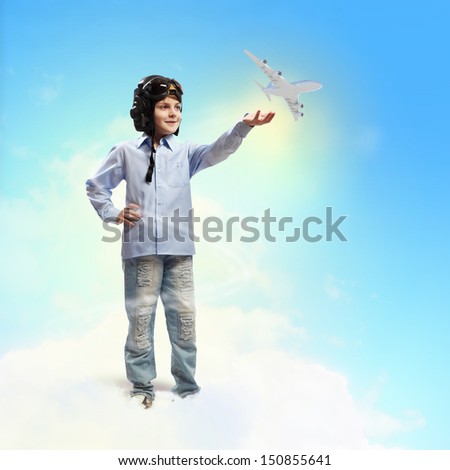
(279, 86)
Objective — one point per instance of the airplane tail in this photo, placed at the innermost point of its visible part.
(263, 89)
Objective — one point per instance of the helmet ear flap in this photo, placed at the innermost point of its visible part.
(141, 111)
(137, 114)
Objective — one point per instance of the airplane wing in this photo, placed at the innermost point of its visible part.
(294, 106)
(275, 77)
(305, 86)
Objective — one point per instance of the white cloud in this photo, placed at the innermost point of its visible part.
(71, 394)
(21, 151)
(378, 425)
(338, 289)
(48, 88)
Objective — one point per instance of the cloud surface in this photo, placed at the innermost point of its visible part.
(71, 393)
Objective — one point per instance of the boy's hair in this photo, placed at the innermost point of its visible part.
(149, 91)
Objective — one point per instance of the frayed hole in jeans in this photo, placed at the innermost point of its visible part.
(142, 330)
(186, 326)
(144, 274)
(185, 277)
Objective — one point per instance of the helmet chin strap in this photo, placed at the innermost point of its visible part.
(149, 175)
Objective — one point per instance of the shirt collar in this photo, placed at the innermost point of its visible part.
(167, 141)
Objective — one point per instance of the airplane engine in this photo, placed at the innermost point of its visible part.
(264, 61)
(279, 73)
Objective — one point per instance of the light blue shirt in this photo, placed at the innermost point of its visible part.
(165, 203)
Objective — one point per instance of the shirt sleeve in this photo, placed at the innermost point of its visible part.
(204, 156)
(99, 187)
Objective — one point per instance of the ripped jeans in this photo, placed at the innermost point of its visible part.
(146, 279)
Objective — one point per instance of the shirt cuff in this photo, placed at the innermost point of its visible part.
(111, 214)
(243, 129)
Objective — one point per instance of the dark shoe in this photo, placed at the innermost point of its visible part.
(142, 400)
(147, 402)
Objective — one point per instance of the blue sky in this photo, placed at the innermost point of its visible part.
(373, 145)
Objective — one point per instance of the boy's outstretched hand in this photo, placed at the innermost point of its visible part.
(258, 119)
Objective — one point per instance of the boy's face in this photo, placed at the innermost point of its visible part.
(167, 116)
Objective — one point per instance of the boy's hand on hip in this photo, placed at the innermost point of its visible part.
(129, 215)
(258, 118)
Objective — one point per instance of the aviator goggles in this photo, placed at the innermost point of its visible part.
(160, 86)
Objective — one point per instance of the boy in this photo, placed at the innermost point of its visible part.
(156, 248)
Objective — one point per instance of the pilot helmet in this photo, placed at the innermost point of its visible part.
(149, 91)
